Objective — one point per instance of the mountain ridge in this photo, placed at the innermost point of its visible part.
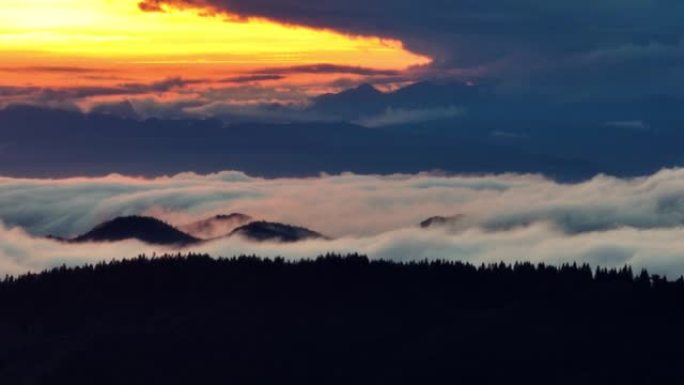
(157, 232)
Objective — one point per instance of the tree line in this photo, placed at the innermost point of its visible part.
(339, 319)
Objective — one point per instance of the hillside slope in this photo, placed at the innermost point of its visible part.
(145, 229)
(339, 321)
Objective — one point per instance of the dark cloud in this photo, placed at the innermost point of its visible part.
(280, 73)
(9, 91)
(205, 91)
(327, 69)
(150, 6)
(38, 94)
(54, 69)
(256, 77)
(632, 43)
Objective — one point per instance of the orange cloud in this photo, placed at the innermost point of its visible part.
(119, 39)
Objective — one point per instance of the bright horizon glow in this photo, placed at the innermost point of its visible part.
(118, 31)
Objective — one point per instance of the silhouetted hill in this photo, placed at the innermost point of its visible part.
(271, 231)
(440, 221)
(492, 133)
(123, 109)
(365, 100)
(145, 229)
(45, 142)
(567, 141)
(233, 216)
(352, 103)
(428, 94)
(216, 226)
(335, 320)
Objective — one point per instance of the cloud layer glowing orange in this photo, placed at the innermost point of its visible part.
(117, 35)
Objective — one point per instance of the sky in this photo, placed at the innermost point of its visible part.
(552, 129)
(286, 52)
(81, 44)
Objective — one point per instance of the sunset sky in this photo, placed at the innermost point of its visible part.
(528, 119)
(255, 53)
(523, 86)
(109, 43)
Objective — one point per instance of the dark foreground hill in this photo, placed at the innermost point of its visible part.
(336, 320)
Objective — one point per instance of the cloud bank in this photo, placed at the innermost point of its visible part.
(607, 221)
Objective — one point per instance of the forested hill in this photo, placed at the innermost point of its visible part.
(339, 320)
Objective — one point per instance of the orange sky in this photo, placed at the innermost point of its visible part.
(70, 43)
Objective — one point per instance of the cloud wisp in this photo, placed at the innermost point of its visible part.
(402, 116)
(607, 221)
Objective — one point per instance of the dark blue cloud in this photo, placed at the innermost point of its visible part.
(611, 45)
(326, 68)
(39, 94)
(40, 142)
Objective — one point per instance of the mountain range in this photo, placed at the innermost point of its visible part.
(429, 125)
(156, 232)
(366, 100)
(40, 142)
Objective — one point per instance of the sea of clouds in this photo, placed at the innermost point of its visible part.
(603, 221)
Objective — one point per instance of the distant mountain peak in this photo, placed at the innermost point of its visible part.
(239, 216)
(366, 100)
(364, 91)
(367, 87)
(146, 229)
(440, 221)
(124, 109)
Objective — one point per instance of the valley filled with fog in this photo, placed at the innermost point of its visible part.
(604, 221)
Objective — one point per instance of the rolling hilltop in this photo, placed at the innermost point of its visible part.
(156, 232)
(145, 229)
